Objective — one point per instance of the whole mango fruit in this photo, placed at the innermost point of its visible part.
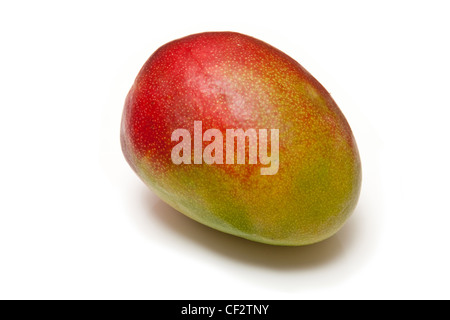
(237, 135)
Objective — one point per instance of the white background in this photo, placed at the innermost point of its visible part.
(77, 223)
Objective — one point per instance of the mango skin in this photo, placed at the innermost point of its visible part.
(230, 80)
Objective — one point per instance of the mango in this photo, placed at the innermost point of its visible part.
(238, 136)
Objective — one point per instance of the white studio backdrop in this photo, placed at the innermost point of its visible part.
(77, 223)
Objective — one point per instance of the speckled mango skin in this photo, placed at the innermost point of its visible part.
(229, 80)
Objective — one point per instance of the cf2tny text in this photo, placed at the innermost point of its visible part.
(243, 309)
